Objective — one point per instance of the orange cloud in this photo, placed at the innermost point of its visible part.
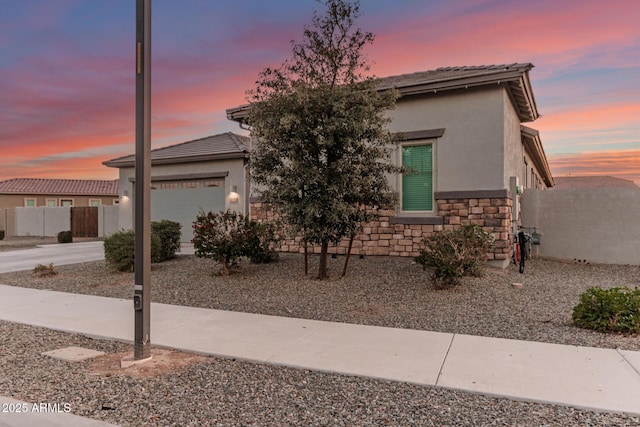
(599, 116)
(621, 163)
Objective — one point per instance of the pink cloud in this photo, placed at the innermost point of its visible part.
(620, 163)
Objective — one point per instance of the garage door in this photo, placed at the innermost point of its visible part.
(182, 200)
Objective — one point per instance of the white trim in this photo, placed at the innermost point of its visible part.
(55, 203)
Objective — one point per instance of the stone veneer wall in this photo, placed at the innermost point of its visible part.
(402, 236)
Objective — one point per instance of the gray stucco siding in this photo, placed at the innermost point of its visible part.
(469, 155)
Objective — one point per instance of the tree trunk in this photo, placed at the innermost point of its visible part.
(346, 259)
(306, 259)
(322, 267)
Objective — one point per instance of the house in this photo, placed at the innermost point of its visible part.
(465, 127)
(591, 182)
(39, 192)
(207, 173)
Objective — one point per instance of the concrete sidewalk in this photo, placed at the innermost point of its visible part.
(583, 377)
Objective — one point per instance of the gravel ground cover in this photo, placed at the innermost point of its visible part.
(378, 291)
(223, 392)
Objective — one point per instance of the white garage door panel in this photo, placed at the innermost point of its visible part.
(182, 205)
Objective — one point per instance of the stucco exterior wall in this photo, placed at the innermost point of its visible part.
(469, 155)
(596, 226)
(513, 149)
(18, 200)
(236, 177)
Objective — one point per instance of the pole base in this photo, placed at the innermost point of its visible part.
(131, 360)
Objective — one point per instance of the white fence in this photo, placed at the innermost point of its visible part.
(48, 222)
(597, 226)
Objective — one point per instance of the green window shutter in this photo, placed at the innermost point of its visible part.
(417, 184)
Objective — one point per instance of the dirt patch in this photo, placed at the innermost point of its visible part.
(162, 362)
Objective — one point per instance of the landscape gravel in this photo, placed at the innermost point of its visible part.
(392, 292)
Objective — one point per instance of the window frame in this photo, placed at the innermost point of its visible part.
(62, 201)
(413, 143)
(30, 199)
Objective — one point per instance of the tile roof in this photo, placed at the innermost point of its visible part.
(591, 182)
(59, 186)
(221, 146)
(513, 76)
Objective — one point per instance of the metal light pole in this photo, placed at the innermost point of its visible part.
(142, 263)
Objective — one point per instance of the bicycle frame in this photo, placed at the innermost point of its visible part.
(522, 247)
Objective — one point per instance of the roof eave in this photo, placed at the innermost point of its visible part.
(173, 160)
(533, 146)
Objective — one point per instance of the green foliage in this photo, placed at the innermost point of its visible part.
(261, 242)
(609, 310)
(221, 237)
(227, 236)
(324, 151)
(169, 234)
(44, 270)
(1, 234)
(65, 237)
(453, 254)
(119, 250)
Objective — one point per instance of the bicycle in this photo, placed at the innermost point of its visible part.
(522, 247)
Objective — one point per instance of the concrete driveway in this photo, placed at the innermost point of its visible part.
(58, 254)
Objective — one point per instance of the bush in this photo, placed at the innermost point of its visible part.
(609, 310)
(169, 234)
(453, 254)
(44, 270)
(261, 242)
(65, 237)
(221, 237)
(119, 250)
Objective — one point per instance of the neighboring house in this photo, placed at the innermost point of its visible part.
(207, 173)
(591, 182)
(462, 127)
(38, 192)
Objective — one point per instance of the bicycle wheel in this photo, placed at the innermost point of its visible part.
(522, 244)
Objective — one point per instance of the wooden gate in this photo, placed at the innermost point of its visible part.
(84, 221)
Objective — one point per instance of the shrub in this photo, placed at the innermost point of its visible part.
(44, 270)
(608, 310)
(65, 237)
(119, 250)
(453, 254)
(261, 242)
(221, 237)
(1, 234)
(169, 234)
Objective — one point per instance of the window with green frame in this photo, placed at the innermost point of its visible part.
(417, 182)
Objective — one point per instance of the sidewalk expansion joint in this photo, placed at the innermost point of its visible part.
(444, 359)
(628, 363)
(299, 340)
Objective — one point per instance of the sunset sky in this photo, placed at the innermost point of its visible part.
(67, 71)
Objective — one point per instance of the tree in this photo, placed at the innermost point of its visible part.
(324, 148)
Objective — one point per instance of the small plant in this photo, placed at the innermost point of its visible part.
(609, 310)
(65, 237)
(44, 270)
(119, 250)
(221, 237)
(261, 243)
(452, 254)
(169, 234)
